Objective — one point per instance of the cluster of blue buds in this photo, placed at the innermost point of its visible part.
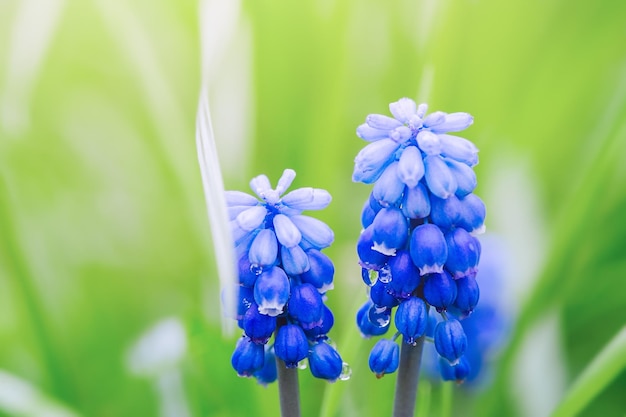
(283, 278)
(418, 247)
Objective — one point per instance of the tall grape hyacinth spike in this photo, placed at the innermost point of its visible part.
(418, 249)
(283, 279)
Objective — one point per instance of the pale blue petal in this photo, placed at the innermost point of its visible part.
(459, 149)
(285, 180)
(234, 211)
(307, 199)
(421, 110)
(403, 109)
(464, 175)
(295, 261)
(372, 160)
(388, 189)
(428, 142)
(287, 233)
(410, 166)
(260, 185)
(379, 121)
(252, 218)
(264, 249)
(434, 119)
(238, 198)
(401, 134)
(438, 176)
(454, 122)
(314, 231)
(368, 133)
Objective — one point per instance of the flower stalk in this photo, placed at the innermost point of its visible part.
(408, 378)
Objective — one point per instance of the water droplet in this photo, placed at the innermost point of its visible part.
(384, 275)
(256, 269)
(331, 343)
(303, 364)
(346, 372)
(369, 276)
(379, 316)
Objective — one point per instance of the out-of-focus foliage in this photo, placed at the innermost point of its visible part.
(103, 230)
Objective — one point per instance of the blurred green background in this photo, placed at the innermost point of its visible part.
(103, 226)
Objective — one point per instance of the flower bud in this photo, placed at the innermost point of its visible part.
(450, 340)
(384, 357)
(411, 319)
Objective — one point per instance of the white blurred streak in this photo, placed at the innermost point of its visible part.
(218, 29)
(217, 211)
(20, 398)
(426, 84)
(157, 355)
(30, 36)
(539, 377)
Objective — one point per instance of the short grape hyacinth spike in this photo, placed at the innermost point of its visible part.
(283, 279)
(418, 250)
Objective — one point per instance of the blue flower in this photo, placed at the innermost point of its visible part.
(283, 276)
(325, 362)
(248, 357)
(291, 345)
(418, 248)
(384, 357)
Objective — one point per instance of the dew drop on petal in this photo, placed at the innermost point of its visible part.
(256, 269)
(303, 364)
(369, 276)
(384, 275)
(379, 316)
(346, 372)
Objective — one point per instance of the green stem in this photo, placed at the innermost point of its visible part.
(446, 399)
(288, 390)
(408, 378)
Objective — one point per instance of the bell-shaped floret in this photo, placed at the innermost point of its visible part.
(306, 305)
(453, 122)
(382, 122)
(264, 249)
(370, 134)
(411, 319)
(325, 362)
(248, 357)
(410, 166)
(320, 331)
(247, 274)
(286, 232)
(450, 340)
(307, 199)
(367, 214)
(321, 271)
(416, 203)
(390, 231)
(445, 213)
(464, 176)
(463, 253)
(384, 357)
(403, 109)
(239, 198)
(291, 345)
(268, 373)
(294, 260)
(245, 298)
(368, 257)
(371, 161)
(459, 149)
(271, 291)
(428, 142)
(388, 189)
(428, 248)
(440, 180)
(404, 275)
(472, 214)
(367, 328)
(258, 327)
(458, 372)
(440, 290)
(315, 233)
(468, 294)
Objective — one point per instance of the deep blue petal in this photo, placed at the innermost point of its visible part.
(450, 340)
(463, 253)
(380, 295)
(264, 249)
(428, 248)
(390, 231)
(321, 271)
(468, 294)
(294, 260)
(404, 275)
(268, 373)
(440, 290)
(416, 202)
(271, 291)
(411, 319)
(258, 327)
(325, 362)
(248, 357)
(384, 357)
(367, 328)
(291, 345)
(306, 305)
(472, 214)
(464, 175)
(368, 257)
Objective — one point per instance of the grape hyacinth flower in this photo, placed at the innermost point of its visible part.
(418, 248)
(283, 279)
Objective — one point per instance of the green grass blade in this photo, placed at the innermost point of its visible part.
(599, 373)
